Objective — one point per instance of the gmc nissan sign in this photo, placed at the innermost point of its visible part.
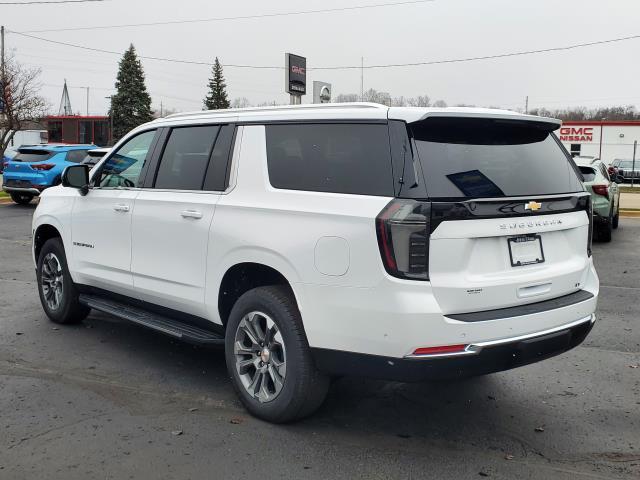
(296, 76)
(576, 134)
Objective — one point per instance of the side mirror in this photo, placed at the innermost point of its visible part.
(76, 176)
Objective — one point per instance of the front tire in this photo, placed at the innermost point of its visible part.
(269, 359)
(21, 198)
(58, 294)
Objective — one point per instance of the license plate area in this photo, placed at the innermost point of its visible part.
(525, 250)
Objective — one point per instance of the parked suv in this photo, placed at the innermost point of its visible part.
(37, 167)
(605, 197)
(314, 241)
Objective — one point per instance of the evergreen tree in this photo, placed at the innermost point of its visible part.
(217, 96)
(131, 105)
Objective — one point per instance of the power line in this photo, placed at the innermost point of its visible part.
(241, 17)
(49, 2)
(484, 57)
(353, 67)
(162, 59)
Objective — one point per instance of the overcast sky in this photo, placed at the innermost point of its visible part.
(442, 29)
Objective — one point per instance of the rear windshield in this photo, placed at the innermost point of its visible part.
(25, 155)
(491, 158)
(588, 173)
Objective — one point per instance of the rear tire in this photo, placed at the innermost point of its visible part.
(605, 230)
(616, 218)
(21, 198)
(58, 294)
(290, 393)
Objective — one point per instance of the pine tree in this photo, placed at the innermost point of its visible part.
(217, 96)
(131, 105)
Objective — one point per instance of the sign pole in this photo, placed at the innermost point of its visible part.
(295, 77)
(633, 166)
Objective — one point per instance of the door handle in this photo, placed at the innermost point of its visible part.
(191, 214)
(120, 207)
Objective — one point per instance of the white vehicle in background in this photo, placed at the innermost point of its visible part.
(94, 156)
(311, 241)
(23, 138)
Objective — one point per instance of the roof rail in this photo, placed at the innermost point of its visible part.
(277, 108)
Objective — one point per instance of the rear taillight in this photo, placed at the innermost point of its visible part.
(403, 237)
(43, 166)
(601, 190)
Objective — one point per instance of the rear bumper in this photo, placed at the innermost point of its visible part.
(30, 191)
(477, 359)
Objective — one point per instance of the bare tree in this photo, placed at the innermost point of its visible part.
(419, 101)
(347, 97)
(240, 102)
(440, 104)
(19, 94)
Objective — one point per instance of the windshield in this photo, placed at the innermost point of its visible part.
(628, 164)
(491, 158)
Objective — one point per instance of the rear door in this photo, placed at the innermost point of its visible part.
(509, 216)
(173, 216)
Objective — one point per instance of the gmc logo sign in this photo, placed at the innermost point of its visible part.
(576, 134)
(298, 70)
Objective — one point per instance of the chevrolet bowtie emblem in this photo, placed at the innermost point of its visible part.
(533, 206)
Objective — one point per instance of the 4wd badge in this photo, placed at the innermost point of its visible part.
(533, 206)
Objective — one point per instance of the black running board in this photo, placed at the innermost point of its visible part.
(159, 323)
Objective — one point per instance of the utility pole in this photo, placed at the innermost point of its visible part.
(87, 101)
(110, 97)
(526, 104)
(2, 50)
(161, 109)
(362, 79)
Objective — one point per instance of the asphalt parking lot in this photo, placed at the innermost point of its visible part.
(109, 400)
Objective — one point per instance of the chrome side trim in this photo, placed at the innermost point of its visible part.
(475, 348)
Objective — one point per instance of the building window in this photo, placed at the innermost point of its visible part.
(85, 132)
(55, 131)
(575, 149)
(100, 132)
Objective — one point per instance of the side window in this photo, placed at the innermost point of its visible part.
(217, 176)
(338, 158)
(76, 156)
(123, 168)
(185, 158)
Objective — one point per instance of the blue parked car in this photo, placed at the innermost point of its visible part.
(37, 167)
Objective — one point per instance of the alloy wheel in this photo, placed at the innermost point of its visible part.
(52, 281)
(260, 356)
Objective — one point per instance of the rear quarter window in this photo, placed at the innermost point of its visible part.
(484, 158)
(588, 174)
(336, 158)
(76, 156)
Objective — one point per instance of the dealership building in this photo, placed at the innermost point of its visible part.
(607, 140)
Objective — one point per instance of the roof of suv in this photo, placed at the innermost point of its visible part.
(346, 111)
(57, 147)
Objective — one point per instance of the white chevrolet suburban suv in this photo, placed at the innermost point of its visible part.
(315, 241)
